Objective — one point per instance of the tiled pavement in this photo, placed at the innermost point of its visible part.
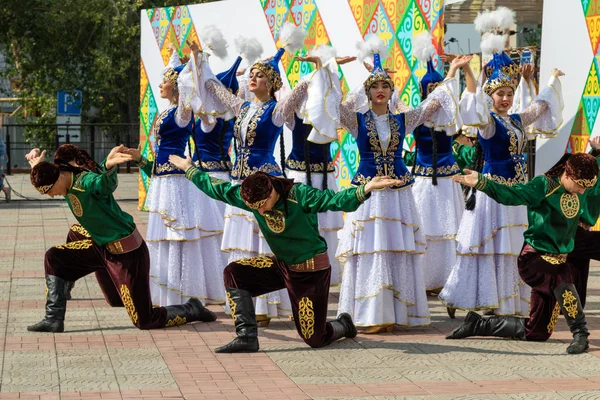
(102, 356)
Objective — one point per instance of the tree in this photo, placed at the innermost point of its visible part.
(91, 45)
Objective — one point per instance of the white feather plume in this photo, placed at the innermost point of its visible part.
(504, 18)
(324, 52)
(248, 48)
(373, 45)
(423, 48)
(291, 37)
(484, 22)
(493, 43)
(213, 39)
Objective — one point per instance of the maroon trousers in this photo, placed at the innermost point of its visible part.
(543, 276)
(112, 296)
(129, 274)
(308, 291)
(587, 247)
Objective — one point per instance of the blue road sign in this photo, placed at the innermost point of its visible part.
(68, 102)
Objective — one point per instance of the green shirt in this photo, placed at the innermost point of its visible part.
(553, 213)
(146, 166)
(463, 154)
(591, 202)
(293, 238)
(92, 203)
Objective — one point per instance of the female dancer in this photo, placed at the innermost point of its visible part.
(490, 236)
(259, 123)
(381, 244)
(184, 226)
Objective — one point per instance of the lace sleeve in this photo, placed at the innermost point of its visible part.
(397, 106)
(475, 114)
(544, 115)
(348, 118)
(187, 93)
(229, 100)
(285, 109)
(439, 110)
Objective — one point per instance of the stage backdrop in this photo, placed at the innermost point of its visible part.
(340, 23)
(575, 51)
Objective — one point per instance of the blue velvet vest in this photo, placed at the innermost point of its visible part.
(374, 161)
(503, 156)
(213, 146)
(446, 166)
(318, 154)
(173, 140)
(256, 152)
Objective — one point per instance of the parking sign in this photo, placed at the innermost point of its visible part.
(69, 102)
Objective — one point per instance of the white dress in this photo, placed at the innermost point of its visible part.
(382, 244)
(184, 227)
(490, 237)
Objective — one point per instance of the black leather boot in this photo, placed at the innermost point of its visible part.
(192, 310)
(500, 326)
(56, 307)
(244, 318)
(343, 327)
(68, 287)
(570, 305)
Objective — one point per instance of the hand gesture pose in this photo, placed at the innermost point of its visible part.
(381, 182)
(181, 163)
(470, 178)
(117, 156)
(344, 60)
(34, 157)
(308, 58)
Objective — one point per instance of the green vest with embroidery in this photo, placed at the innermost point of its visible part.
(92, 203)
(591, 203)
(293, 238)
(553, 213)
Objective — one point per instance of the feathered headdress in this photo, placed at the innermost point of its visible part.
(374, 48)
(501, 66)
(424, 50)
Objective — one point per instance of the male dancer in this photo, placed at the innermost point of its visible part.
(287, 216)
(114, 245)
(553, 207)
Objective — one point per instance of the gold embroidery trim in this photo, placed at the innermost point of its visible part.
(570, 303)
(586, 183)
(555, 259)
(128, 303)
(178, 320)
(44, 189)
(76, 245)
(554, 318)
(232, 306)
(81, 230)
(296, 165)
(256, 262)
(306, 317)
(569, 204)
(257, 204)
(440, 171)
(275, 220)
(78, 185)
(75, 205)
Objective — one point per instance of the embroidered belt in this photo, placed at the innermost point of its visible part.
(555, 259)
(584, 225)
(127, 244)
(317, 263)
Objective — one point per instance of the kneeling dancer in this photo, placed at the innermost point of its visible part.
(114, 245)
(287, 216)
(553, 207)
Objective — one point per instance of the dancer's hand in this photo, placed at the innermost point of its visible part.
(381, 182)
(595, 142)
(35, 157)
(117, 156)
(308, 58)
(369, 68)
(181, 163)
(344, 60)
(527, 71)
(136, 154)
(470, 178)
(240, 72)
(171, 47)
(557, 73)
(448, 57)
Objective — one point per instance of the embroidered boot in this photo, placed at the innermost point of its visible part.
(244, 318)
(56, 307)
(192, 310)
(343, 327)
(570, 305)
(475, 325)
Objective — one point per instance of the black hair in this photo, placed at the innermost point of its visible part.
(477, 165)
(282, 154)
(434, 156)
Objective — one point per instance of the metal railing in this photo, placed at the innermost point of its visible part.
(97, 139)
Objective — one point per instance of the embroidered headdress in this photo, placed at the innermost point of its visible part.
(291, 38)
(375, 48)
(424, 50)
(43, 176)
(501, 67)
